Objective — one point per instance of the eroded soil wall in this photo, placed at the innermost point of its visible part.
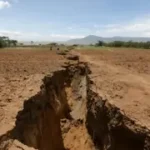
(112, 130)
(68, 114)
(38, 124)
(62, 96)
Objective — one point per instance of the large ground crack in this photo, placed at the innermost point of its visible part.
(68, 114)
(56, 111)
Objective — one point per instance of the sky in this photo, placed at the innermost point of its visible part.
(60, 20)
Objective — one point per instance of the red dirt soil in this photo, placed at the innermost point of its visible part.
(122, 77)
(21, 73)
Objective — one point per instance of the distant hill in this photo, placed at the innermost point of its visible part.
(92, 39)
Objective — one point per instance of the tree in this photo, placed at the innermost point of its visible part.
(6, 42)
(53, 44)
(1, 44)
(133, 44)
(118, 43)
(100, 43)
(32, 42)
(13, 43)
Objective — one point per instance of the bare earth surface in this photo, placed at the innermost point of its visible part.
(21, 73)
(123, 77)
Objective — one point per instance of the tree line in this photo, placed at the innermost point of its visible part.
(132, 44)
(6, 42)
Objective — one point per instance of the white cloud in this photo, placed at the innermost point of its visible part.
(140, 28)
(27, 36)
(65, 36)
(134, 28)
(111, 25)
(96, 26)
(20, 35)
(4, 4)
(9, 33)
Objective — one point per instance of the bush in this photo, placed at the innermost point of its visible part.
(6, 42)
(99, 43)
(145, 45)
(1, 44)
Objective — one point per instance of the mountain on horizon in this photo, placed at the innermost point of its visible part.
(93, 39)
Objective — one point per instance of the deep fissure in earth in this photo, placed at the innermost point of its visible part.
(67, 100)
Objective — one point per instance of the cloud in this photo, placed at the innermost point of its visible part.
(4, 4)
(111, 25)
(20, 35)
(27, 36)
(138, 27)
(134, 28)
(96, 26)
(9, 33)
(65, 36)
